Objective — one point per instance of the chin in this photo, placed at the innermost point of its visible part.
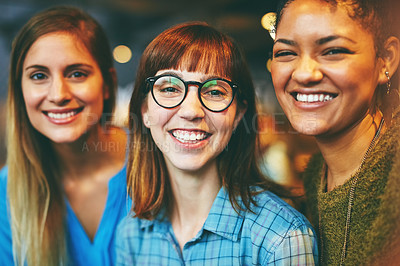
(309, 129)
(189, 165)
(63, 140)
(63, 137)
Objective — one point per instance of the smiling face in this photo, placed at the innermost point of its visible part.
(62, 87)
(325, 69)
(189, 136)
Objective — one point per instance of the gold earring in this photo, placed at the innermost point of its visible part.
(388, 84)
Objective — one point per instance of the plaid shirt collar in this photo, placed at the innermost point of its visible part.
(222, 219)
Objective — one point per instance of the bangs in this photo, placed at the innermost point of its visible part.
(198, 48)
(207, 58)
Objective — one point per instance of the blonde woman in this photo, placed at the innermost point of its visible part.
(63, 190)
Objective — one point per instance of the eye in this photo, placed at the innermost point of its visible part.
(337, 51)
(168, 90)
(78, 74)
(168, 86)
(38, 76)
(216, 90)
(284, 54)
(216, 93)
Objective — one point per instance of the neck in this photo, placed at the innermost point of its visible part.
(345, 152)
(193, 196)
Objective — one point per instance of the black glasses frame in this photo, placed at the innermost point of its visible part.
(151, 80)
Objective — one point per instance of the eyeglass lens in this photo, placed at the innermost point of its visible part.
(170, 91)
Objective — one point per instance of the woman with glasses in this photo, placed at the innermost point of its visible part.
(198, 193)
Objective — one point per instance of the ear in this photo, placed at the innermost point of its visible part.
(390, 59)
(113, 75)
(145, 114)
(239, 114)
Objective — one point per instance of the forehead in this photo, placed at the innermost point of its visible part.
(307, 18)
(58, 46)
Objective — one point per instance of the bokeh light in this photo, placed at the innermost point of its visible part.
(122, 54)
(268, 23)
(269, 64)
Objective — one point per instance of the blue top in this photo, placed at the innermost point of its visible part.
(274, 234)
(81, 250)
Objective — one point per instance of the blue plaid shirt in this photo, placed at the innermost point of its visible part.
(274, 234)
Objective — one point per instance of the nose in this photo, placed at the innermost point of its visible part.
(59, 92)
(307, 71)
(191, 108)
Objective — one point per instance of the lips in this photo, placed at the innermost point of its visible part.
(313, 97)
(64, 114)
(189, 136)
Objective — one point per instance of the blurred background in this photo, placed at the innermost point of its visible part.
(132, 24)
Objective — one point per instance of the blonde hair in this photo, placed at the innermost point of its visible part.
(34, 187)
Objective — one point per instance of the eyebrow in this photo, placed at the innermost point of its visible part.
(332, 38)
(36, 67)
(320, 41)
(286, 41)
(73, 66)
(68, 68)
(206, 76)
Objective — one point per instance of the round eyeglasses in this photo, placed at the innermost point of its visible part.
(170, 91)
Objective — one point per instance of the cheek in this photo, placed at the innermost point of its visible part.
(224, 123)
(280, 75)
(156, 115)
(91, 93)
(32, 98)
(280, 78)
(355, 80)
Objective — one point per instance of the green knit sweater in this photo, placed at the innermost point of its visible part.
(373, 217)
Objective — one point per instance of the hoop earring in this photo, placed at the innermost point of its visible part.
(388, 84)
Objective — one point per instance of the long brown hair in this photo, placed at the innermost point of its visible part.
(194, 47)
(34, 187)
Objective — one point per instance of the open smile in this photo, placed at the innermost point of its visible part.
(313, 97)
(62, 114)
(189, 136)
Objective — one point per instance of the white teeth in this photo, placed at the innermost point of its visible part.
(189, 137)
(61, 115)
(312, 98)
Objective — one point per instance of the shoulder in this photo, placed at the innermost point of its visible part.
(121, 174)
(130, 233)
(314, 167)
(312, 176)
(276, 228)
(127, 224)
(3, 178)
(3, 173)
(5, 229)
(272, 211)
(131, 227)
